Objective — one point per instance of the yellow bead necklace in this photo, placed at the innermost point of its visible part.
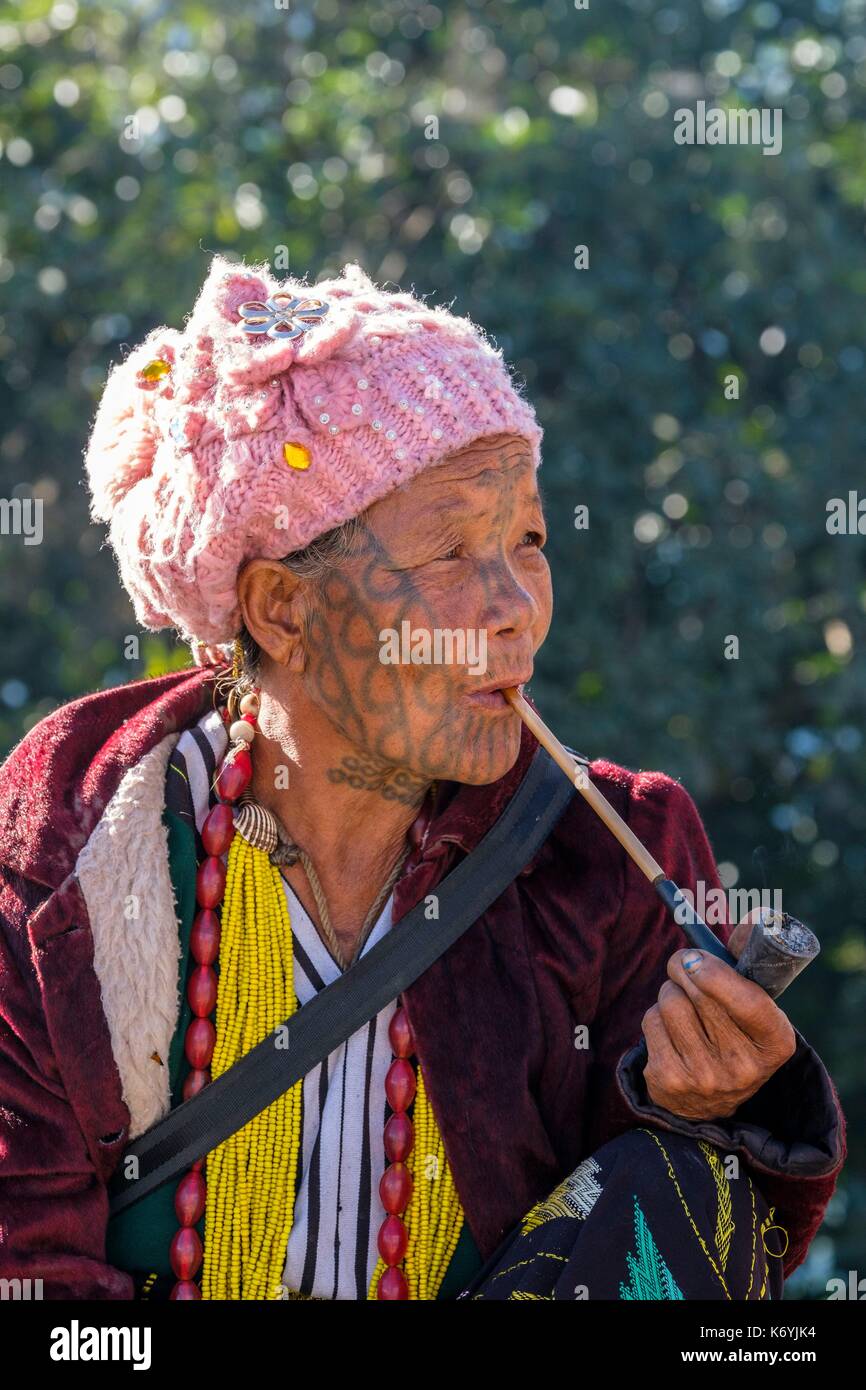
(251, 1176)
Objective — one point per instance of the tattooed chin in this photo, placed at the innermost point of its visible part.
(475, 746)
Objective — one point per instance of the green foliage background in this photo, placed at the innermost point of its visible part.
(309, 127)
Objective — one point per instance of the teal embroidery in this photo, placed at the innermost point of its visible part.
(650, 1277)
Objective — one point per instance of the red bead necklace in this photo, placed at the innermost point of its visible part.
(186, 1252)
(395, 1188)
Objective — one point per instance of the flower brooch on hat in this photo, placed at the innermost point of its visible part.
(282, 315)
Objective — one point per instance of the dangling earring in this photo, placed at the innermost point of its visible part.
(234, 695)
(242, 708)
(257, 825)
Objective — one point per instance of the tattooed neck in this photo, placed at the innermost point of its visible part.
(373, 775)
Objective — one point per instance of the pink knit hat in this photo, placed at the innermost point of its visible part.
(278, 412)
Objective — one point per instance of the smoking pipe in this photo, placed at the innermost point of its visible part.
(779, 946)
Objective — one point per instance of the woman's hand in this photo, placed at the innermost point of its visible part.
(714, 1037)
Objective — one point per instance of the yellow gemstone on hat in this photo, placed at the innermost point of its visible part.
(296, 456)
(156, 369)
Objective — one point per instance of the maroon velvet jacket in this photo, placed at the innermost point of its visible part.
(579, 938)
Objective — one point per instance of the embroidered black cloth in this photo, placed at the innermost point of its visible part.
(649, 1216)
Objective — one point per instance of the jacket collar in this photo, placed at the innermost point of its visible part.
(58, 781)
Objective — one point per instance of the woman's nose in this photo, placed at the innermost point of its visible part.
(508, 607)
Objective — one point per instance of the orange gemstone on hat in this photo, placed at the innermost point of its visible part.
(296, 456)
(156, 369)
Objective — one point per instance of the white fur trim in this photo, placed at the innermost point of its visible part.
(123, 869)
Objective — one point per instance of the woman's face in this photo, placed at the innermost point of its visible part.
(451, 569)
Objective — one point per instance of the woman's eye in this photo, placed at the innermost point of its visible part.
(534, 538)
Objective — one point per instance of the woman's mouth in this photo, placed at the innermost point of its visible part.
(493, 698)
(489, 699)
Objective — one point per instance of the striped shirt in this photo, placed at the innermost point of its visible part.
(332, 1245)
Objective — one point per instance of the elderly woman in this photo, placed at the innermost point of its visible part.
(294, 478)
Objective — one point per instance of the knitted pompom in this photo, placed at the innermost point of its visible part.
(127, 428)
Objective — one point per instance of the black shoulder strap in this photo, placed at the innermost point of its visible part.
(312, 1033)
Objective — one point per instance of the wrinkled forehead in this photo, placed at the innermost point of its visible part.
(489, 480)
(502, 462)
(498, 451)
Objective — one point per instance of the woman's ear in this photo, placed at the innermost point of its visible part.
(271, 601)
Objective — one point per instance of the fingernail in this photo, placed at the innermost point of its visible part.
(692, 962)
